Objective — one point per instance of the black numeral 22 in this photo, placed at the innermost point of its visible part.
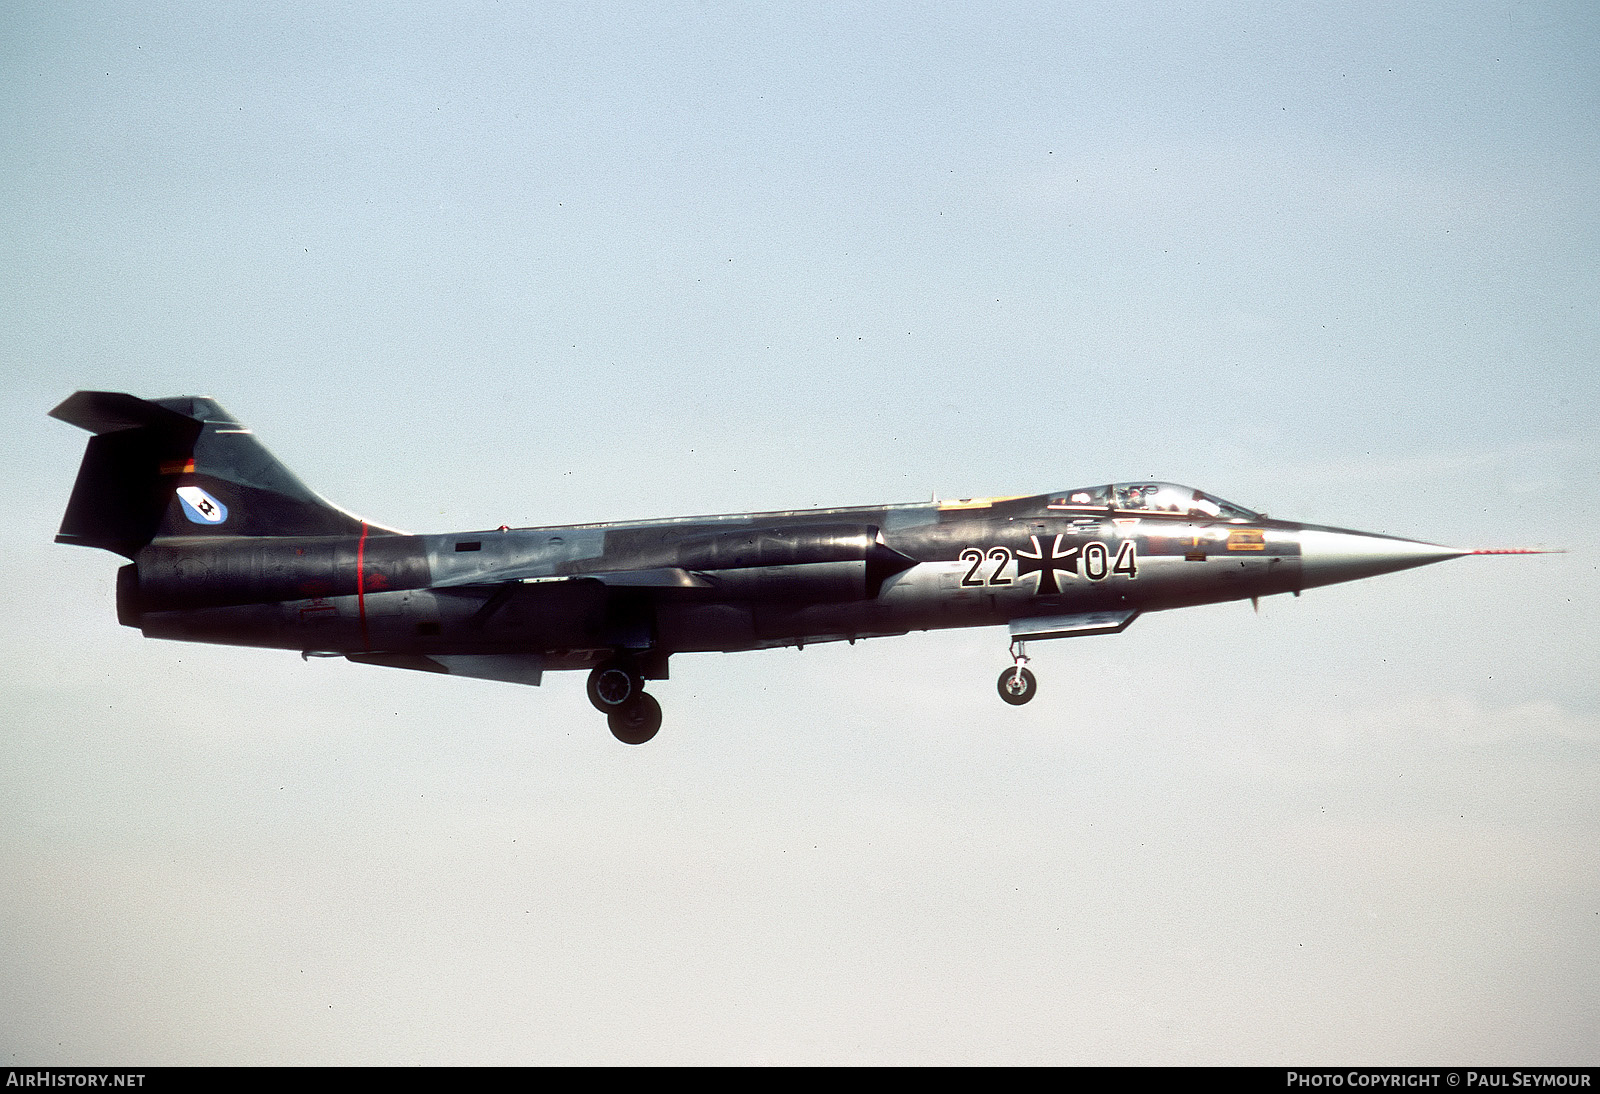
(1000, 556)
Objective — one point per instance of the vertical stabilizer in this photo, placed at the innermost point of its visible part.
(181, 467)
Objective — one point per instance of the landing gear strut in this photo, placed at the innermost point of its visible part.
(1017, 684)
(617, 691)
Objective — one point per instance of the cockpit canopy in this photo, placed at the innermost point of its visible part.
(1151, 497)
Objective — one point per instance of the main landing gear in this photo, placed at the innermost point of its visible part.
(1017, 684)
(617, 691)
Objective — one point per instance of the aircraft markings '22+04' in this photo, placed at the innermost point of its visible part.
(228, 546)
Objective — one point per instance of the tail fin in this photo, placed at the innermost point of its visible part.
(181, 467)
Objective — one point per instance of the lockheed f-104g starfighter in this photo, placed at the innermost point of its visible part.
(227, 545)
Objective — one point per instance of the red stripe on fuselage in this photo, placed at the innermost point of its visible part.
(361, 585)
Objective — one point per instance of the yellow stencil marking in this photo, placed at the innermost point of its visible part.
(978, 503)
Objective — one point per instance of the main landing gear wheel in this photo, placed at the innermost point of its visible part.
(636, 721)
(613, 685)
(1017, 685)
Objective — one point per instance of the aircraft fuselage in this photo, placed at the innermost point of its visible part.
(227, 545)
(574, 593)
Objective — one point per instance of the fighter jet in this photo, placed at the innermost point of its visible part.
(226, 545)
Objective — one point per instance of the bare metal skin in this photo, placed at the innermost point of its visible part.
(227, 545)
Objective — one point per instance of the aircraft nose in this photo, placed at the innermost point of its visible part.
(1330, 555)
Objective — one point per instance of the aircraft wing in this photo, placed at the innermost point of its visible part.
(1041, 627)
(512, 668)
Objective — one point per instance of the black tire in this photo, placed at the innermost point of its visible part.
(1015, 691)
(636, 722)
(613, 685)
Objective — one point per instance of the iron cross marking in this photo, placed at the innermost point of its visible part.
(1045, 561)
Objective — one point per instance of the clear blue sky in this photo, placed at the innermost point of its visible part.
(476, 264)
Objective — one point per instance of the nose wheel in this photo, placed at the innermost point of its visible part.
(1017, 684)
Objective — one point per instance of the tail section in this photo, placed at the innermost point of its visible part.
(181, 467)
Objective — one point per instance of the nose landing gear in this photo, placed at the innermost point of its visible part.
(1017, 684)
